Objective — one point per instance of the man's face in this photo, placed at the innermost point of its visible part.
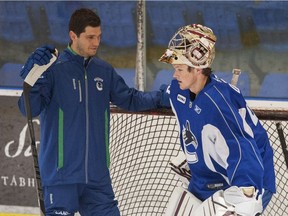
(87, 43)
(185, 78)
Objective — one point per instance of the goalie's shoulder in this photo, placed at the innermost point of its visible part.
(219, 82)
(223, 86)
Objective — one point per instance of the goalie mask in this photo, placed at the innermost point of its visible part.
(192, 45)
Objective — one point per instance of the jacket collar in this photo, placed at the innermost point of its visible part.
(80, 59)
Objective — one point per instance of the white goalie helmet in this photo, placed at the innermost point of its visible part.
(192, 45)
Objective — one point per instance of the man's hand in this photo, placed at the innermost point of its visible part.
(165, 96)
(41, 56)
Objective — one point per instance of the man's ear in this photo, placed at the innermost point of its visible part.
(72, 36)
(199, 70)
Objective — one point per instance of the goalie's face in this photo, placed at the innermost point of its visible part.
(186, 77)
(87, 43)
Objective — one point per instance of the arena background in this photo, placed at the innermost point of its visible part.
(252, 36)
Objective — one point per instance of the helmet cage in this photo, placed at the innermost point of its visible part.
(196, 43)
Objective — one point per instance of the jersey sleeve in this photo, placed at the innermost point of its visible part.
(130, 98)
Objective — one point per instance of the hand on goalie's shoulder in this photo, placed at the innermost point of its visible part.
(41, 56)
(165, 96)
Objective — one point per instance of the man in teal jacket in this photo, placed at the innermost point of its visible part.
(73, 100)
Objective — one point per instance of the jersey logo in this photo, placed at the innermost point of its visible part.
(181, 98)
(197, 109)
(215, 186)
(190, 143)
(99, 83)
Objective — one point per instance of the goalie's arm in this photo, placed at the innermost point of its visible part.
(229, 142)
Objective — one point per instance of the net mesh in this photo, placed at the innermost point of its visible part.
(141, 146)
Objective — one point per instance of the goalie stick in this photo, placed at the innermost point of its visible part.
(235, 76)
(282, 142)
(26, 92)
(29, 82)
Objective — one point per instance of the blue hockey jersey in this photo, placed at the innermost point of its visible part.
(73, 101)
(223, 140)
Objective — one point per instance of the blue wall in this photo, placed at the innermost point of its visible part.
(251, 35)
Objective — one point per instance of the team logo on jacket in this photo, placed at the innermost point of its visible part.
(99, 83)
(190, 143)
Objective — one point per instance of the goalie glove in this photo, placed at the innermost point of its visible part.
(181, 169)
(234, 201)
(37, 63)
(246, 201)
(231, 202)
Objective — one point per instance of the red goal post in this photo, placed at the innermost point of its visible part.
(142, 144)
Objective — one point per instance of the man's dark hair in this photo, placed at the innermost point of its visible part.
(82, 18)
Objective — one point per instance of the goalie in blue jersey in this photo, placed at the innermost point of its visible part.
(227, 149)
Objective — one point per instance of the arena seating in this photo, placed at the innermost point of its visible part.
(9, 75)
(272, 25)
(237, 25)
(15, 23)
(274, 85)
(243, 81)
(222, 18)
(162, 77)
(164, 18)
(128, 74)
(58, 14)
(118, 21)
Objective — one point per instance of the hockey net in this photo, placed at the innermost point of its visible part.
(141, 146)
